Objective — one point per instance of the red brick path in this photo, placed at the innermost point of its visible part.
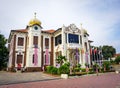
(110, 80)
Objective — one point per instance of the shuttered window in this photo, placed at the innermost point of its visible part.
(35, 40)
(20, 41)
(47, 43)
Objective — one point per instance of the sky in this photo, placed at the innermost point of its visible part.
(101, 18)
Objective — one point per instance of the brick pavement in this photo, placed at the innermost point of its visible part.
(109, 80)
(13, 78)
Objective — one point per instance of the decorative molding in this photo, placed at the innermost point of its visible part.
(72, 28)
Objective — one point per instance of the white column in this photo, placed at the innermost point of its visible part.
(80, 58)
(63, 41)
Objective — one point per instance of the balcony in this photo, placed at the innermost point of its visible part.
(74, 45)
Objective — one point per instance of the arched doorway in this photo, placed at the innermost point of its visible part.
(74, 58)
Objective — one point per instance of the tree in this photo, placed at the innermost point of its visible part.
(108, 51)
(117, 60)
(61, 59)
(3, 52)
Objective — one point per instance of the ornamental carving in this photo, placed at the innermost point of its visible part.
(72, 28)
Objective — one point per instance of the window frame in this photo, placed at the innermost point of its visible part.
(20, 42)
(35, 40)
(19, 58)
(47, 43)
(45, 59)
(58, 39)
(73, 38)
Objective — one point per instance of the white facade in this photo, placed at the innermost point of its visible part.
(30, 48)
(69, 49)
(69, 41)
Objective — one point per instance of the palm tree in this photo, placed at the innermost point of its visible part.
(61, 59)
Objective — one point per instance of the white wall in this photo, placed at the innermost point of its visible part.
(30, 48)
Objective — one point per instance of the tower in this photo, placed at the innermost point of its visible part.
(33, 57)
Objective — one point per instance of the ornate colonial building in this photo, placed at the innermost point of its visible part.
(33, 47)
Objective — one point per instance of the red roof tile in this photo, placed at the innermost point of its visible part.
(49, 31)
(116, 55)
(21, 30)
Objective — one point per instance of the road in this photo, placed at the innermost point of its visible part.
(109, 80)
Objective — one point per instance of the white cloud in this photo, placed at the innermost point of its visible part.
(97, 16)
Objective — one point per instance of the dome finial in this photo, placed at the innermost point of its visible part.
(81, 25)
(34, 21)
(35, 14)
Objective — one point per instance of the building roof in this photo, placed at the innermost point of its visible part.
(116, 55)
(26, 30)
(34, 21)
(49, 31)
(12, 31)
(20, 30)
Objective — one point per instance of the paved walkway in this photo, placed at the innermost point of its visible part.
(13, 78)
(109, 80)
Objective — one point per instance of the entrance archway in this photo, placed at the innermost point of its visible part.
(74, 58)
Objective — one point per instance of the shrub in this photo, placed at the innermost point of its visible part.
(54, 70)
(95, 66)
(83, 69)
(102, 69)
(67, 64)
(117, 60)
(83, 73)
(78, 65)
(106, 64)
(112, 62)
(77, 69)
(91, 69)
(49, 69)
(64, 69)
(91, 72)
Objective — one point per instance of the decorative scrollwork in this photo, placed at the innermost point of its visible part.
(72, 28)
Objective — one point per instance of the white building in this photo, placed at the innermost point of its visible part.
(34, 47)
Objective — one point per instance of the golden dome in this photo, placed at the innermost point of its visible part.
(34, 21)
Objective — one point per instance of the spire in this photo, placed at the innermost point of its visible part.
(81, 25)
(35, 14)
(63, 25)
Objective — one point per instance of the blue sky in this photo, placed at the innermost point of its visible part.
(101, 18)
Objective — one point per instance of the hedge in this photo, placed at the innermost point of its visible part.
(64, 69)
